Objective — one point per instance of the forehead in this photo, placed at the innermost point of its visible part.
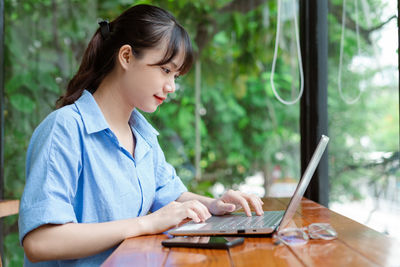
(157, 54)
(177, 61)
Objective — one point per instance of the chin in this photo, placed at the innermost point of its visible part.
(148, 109)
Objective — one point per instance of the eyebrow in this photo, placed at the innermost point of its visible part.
(174, 65)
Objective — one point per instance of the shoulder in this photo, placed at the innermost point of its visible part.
(65, 121)
(59, 132)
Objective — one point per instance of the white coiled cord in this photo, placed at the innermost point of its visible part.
(292, 102)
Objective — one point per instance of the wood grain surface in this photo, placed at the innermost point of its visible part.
(356, 245)
(8, 207)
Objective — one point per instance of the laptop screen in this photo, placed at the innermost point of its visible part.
(302, 186)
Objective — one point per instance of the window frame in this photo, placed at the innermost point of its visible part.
(313, 106)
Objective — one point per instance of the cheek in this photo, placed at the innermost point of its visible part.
(130, 84)
(126, 82)
(141, 83)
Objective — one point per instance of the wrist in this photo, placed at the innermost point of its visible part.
(138, 226)
(208, 202)
(145, 224)
(186, 196)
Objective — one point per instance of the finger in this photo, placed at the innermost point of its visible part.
(254, 200)
(192, 215)
(261, 203)
(195, 239)
(228, 207)
(244, 204)
(201, 210)
(204, 239)
(236, 198)
(225, 207)
(205, 212)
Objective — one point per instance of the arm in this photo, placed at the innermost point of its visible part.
(79, 240)
(229, 202)
(82, 240)
(187, 196)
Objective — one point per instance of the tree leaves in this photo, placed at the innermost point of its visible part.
(243, 127)
(22, 103)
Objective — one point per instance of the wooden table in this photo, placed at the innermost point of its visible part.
(8, 207)
(357, 245)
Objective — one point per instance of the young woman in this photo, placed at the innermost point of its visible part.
(95, 171)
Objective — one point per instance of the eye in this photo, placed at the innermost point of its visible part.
(176, 77)
(166, 70)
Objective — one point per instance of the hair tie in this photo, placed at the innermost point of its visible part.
(105, 29)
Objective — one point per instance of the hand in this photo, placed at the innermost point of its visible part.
(234, 200)
(174, 213)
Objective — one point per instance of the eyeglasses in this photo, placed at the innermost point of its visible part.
(300, 236)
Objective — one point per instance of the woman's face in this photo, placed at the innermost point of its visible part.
(146, 86)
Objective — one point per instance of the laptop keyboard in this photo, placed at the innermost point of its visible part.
(269, 219)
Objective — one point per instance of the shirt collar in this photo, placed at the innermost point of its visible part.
(143, 127)
(94, 120)
(92, 117)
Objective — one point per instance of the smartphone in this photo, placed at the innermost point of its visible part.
(217, 242)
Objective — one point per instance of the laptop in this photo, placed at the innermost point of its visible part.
(239, 224)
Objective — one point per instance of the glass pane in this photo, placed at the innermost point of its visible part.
(247, 136)
(44, 41)
(364, 113)
(248, 139)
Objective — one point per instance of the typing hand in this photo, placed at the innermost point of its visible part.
(174, 213)
(234, 200)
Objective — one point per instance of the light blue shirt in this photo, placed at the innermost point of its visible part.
(76, 171)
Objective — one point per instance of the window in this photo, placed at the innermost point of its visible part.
(363, 110)
(224, 127)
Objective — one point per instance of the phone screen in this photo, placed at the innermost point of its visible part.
(203, 241)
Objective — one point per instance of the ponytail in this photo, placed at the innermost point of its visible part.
(142, 27)
(85, 78)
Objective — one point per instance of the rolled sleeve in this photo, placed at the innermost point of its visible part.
(168, 185)
(52, 172)
(45, 212)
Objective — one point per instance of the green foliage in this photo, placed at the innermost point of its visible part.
(243, 126)
(374, 117)
(15, 255)
(12, 248)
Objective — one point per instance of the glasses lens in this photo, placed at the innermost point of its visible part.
(321, 231)
(292, 237)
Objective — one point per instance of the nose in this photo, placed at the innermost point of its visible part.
(169, 87)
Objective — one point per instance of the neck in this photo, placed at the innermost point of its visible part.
(112, 104)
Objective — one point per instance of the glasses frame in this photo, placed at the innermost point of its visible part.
(302, 235)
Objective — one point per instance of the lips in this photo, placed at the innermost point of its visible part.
(159, 99)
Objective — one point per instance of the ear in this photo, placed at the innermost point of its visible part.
(125, 56)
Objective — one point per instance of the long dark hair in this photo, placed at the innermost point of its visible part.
(142, 27)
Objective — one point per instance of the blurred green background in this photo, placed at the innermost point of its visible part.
(244, 130)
